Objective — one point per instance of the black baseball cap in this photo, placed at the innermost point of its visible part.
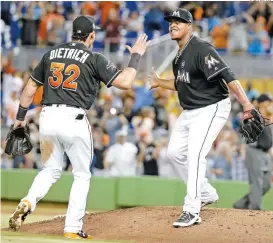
(84, 25)
(180, 14)
(263, 97)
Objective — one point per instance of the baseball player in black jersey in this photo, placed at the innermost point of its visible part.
(71, 74)
(202, 79)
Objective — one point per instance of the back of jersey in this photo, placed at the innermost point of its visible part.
(70, 75)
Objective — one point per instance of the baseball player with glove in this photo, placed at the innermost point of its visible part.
(71, 74)
(259, 158)
(202, 80)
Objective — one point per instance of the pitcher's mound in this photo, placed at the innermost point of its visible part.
(154, 225)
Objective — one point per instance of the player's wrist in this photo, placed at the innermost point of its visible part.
(158, 81)
(21, 113)
(248, 106)
(134, 61)
(246, 103)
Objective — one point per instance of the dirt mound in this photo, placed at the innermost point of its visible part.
(154, 225)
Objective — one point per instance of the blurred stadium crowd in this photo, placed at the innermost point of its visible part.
(143, 118)
(131, 129)
(245, 27)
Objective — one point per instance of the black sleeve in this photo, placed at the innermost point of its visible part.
(210, 62)
(106, 70)
(38, 74)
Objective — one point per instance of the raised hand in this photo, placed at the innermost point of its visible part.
(140, 45)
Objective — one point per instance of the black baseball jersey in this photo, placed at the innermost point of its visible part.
(71, 74)
(197, 72)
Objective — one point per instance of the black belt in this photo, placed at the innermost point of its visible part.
(57, 105)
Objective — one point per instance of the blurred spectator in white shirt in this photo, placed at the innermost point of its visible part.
(168, 5)
(12, 87)
(145, 122)
(6, 87)
(11, 83)
(165, 166)
(121, 158)
(6, 160)
(11, 107)
(134, 22)
(237, 38)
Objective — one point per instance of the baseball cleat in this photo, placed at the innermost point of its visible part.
(77, 236)
(210, 201)
(187, 219)
(18, 217)
(203, 204)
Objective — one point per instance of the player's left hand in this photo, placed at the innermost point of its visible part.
(153, 80)
(252, 126)
(19, 124)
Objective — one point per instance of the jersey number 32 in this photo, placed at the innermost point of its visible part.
(72, 72)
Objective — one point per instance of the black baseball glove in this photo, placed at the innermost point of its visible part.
(252, 126)
(18, 141)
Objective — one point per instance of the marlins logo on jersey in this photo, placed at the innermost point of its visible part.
(210, 61)
(111, 66)
(183, 76)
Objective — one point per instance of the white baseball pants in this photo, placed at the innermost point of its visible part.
(61, 132)
(190, 142)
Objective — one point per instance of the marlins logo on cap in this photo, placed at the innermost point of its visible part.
(180, 14)
(176, 13)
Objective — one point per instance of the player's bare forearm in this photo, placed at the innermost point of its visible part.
(28, 93)
(166, 83)
(125, 79)
(237, 88)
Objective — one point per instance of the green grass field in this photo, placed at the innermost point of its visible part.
(43, 212)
